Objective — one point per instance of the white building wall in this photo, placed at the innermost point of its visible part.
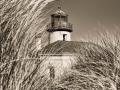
(58, 35)
(60, 64)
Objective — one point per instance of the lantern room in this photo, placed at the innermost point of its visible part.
(59, 20)
(59, 16)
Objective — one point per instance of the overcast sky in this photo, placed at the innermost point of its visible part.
(87, 16)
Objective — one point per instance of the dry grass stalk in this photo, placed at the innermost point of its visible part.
(97, 68)
(20, 22)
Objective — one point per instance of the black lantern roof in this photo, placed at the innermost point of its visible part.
(59, 12)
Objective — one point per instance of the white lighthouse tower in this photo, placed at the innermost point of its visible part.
(59, 28)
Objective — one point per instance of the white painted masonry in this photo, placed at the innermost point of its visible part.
(58, 35)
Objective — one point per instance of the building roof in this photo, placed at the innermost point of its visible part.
(60, 12)
(69, 47)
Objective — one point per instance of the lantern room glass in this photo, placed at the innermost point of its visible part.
(58, 19)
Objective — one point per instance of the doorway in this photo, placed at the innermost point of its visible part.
(64, 37)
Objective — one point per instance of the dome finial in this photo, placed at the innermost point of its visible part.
(59, 7)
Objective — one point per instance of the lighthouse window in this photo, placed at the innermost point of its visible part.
(57, 19)
(52, 72)
(52, 19)
(62, 19)
(64, 37)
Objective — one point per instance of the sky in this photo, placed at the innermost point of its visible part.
(90, 17)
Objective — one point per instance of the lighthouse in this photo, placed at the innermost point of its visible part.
(62, 54)
(59, 28)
